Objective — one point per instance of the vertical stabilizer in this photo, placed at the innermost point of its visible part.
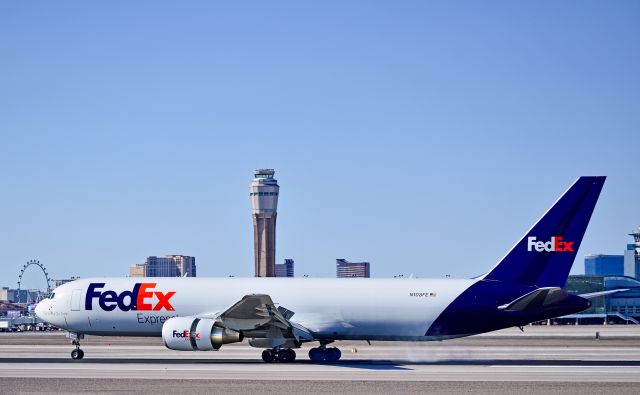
(545, 254)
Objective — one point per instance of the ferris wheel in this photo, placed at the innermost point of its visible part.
(33, 262)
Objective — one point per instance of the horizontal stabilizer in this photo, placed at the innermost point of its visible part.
(536, 299)
(592, 295)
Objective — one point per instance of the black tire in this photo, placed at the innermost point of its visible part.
(283, 355)
(267, 356)
(286, 355)
(81, 354)
(76, 354)
(332, 354)
(316, 355)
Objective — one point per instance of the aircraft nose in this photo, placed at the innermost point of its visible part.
(39, 309)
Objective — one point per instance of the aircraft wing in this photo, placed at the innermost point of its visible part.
(257, 314)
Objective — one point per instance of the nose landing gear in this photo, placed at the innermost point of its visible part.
(77, 354)
(279, 354)
(75, 340)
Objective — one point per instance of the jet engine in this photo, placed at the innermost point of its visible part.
(192, 333)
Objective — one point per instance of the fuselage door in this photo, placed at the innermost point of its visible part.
(75, 299)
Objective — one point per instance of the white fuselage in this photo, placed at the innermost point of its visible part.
(366, 309)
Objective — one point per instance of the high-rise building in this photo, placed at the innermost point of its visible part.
(186, 265)
(285, 269)
(161, 267)
(264, 191)
(137, 270)
(4, 294)
(168, 266)
(632, 256)
(20, 295)
(345, 268)
(603, 265)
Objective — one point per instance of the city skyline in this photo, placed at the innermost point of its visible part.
(167, 266)
(422, 137)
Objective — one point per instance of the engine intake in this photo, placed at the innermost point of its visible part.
(191, 333)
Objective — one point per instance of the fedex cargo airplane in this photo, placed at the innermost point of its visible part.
(279, 314)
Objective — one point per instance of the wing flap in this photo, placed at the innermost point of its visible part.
(258, 314)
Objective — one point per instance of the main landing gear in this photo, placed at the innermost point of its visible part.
(324, 354)
(279, 354)
(77, 353)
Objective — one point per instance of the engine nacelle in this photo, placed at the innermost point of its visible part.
(191, 333)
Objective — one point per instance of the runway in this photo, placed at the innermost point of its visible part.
(542, 359)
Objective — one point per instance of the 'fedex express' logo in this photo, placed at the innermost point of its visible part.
(186, 334)
(555, 244)
(140, 298)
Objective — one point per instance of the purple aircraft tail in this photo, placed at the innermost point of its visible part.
(545, 254)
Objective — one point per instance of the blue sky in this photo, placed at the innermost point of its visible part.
(425, 137)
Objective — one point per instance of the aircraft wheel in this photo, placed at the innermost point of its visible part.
(332, 354)
(316, 355)
(267, 356)
(286, 355)
(77, 354)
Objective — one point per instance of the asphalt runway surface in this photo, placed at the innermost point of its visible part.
(556, 359)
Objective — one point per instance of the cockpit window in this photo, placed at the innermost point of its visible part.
(53, 295)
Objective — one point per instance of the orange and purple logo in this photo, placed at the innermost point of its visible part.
(556, 244)
(140, 298)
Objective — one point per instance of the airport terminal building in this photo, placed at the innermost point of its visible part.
(605, 273)
(621, 307)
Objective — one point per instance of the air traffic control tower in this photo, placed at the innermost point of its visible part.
(264, 202)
